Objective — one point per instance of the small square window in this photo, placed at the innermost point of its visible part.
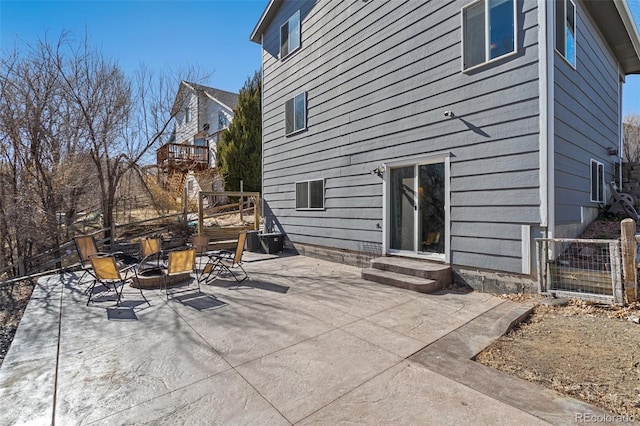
(488, 31)
(310, 195)
(597, 182)
(565, 28)
(290, 35)
(295, 113)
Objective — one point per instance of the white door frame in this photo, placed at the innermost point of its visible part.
(386, 196)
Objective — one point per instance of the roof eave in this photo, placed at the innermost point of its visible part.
(632, 32)
(614, 21)
(265, 20)
(176, 105)
(208, 95)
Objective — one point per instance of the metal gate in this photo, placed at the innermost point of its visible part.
(585, 269)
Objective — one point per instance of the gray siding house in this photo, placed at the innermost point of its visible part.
(201, 114)
(450, 130)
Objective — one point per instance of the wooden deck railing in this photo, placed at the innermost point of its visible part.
(180, 154)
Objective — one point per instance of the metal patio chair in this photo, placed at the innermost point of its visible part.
(86, 248)
(151, 254)
(180, 262)
(108, 273)
(225, 261)
(149, 246)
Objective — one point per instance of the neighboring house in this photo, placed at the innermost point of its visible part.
(457, 131)
(201, 113)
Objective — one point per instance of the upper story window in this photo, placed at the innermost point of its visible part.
(489, 31)
(222, 120)
(566, 30)
(290, 35)
(187, 115)
(310, 195)
(295, 113)
(597, 182)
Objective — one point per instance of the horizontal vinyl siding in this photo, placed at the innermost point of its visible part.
(378, 78)
(185, 131)
(586, 119)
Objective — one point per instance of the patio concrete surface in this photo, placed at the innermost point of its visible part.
(304, 341)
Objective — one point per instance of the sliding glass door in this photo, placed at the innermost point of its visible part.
(417, 209)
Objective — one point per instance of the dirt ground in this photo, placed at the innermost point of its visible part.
(583, 350)
(12, 305)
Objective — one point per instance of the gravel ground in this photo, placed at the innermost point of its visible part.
(13, 302)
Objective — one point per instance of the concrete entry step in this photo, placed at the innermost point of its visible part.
(415, 274)
(422, 285)
(416, 267)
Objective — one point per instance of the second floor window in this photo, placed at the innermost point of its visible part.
(290, 35)
(295, 113)
(488, 31)
(187, 115)
(222, 120)
(566, 30)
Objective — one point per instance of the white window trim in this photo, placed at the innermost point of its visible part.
(599, 166)
(486, 36)
(280, 55)
(575, 33)
(309, 194)
(304, 127)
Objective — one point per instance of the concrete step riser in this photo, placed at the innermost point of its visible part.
(429, 286)
(425, 277)
(444, 274)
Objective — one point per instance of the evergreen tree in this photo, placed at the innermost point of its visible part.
(239, 150)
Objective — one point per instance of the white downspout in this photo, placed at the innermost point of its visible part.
(620, 129)
(546, 105)
(542, 107)
(551, 150)
(262, 202)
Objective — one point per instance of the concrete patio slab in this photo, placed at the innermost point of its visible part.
(224, 399)
(427, 320)
(302, 341)
(249, 332)
(409, 394)
(383, 338)
(297, 380)
(131, 370)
